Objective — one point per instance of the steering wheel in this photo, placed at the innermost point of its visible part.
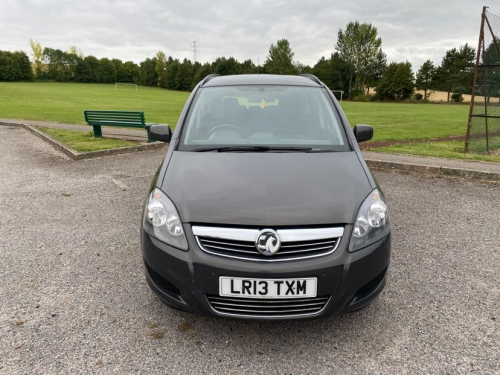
(226, 126)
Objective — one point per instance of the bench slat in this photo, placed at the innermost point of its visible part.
(121, 124)
(106, 111)
(140, 119)
(115, 114)
(115, 119)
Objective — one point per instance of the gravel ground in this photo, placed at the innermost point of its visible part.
(74, 298)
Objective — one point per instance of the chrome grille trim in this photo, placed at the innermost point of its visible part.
(315, 243)
(267, 308)
(308, 249)
(239, 243)
(223, 243)
(286, 235)
(228, 249)
(226, 233)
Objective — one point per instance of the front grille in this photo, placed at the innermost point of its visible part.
(295, 243)
(163, 283)
(268, 308)
(288, 251)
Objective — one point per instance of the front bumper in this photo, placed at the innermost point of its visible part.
(184, 279)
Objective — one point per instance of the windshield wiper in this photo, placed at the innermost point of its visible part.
(254, 149)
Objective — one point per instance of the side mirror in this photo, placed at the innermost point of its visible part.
(161, 133)
(363, 133)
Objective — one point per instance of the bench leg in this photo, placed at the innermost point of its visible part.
(149, 135)
(97, 131)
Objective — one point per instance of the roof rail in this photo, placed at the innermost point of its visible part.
(208, 78)
(312, 78)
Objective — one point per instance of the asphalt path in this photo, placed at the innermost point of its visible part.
(73, 298)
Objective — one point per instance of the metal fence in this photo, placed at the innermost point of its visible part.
(483, 130)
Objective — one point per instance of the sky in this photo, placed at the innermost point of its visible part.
(134, 30)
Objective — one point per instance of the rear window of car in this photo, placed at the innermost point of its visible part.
(263, 116)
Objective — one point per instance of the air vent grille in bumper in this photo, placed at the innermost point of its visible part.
(163, 283)
(370, 286)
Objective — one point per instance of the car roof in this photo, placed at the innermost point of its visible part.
(260, 79)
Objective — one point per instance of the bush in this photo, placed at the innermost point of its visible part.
(355, 92)
(456, 97)
(397, 82)
(362, 98)
(418, 96)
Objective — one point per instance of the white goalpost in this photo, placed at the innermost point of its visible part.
(341, 93)
(129, 84)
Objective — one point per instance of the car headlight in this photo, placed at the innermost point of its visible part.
(372, 222)
(162, 220)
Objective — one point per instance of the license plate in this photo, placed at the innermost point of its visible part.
(267, 288)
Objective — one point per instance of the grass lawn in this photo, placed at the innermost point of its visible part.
(449, 150)
(400, 121)
(84, 142)
(65, 102)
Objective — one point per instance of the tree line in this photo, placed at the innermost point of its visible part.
(15, 66)
(357, 65)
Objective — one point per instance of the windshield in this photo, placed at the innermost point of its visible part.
(271, 118)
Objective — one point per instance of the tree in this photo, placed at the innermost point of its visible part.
(224, 67)
(75, 51)
(359, 45)
(334, 72)
(54, 59)
(22, 64)
(280, 58)
(196, 68)
(184, 77)
(133, 71)
(36, 54)
(148, 76)
(397, 82)
(425, 77)
(490, 79)
(94, 67)
(323, 70)
(7, 72)
(301, 68)
(204, 71)
(456, 72)
(121, 73)
(376, 70)
(107, 71)
(161, 67)
(83, 72)
(15, 66)
(171, 74)
(248, 67)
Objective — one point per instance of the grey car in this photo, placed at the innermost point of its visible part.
(264, 207)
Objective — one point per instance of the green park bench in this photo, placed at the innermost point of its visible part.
(128, 119)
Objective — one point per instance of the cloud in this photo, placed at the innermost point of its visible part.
(134, 30)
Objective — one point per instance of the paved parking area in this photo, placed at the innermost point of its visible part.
(74, 299)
